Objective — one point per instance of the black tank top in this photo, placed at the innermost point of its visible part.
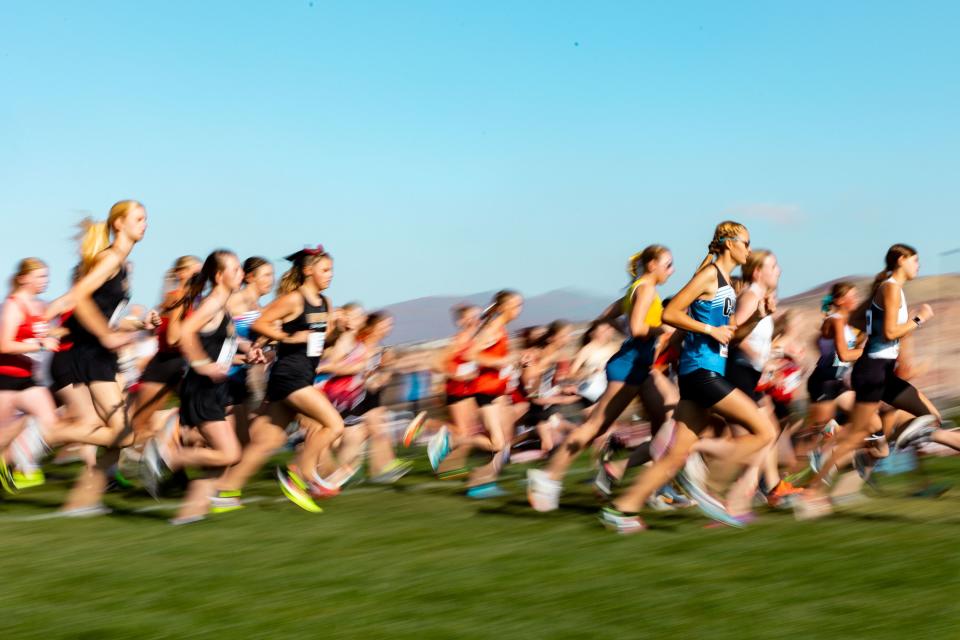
(313, 318)
(213, 342)
(111, 297)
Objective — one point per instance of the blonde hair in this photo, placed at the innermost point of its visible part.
(25, 267)
(95, 236)
(170, 279)
(753, 263)
(726, 230)
(637, 264)
(294, 277)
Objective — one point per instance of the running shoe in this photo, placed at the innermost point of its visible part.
(622, 523)
(453, 474)
(29, 448)
(152, 468)
(668, 499)
(603, 482)
(6, 478)
(438, 447)
(674, 497)
(413, 429)
(28, 479)
(690, 479)
(296, 490)
(917, 432)
(782, 495)
(863, 464)
(98, 509)
(810, 505)
(815, 459)
(345, 477)
(322, 488)
(543, 494)
(122, 481)
(393, 472)
(225, 502)
(486, 491)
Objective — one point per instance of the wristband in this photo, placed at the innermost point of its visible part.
(200, 363)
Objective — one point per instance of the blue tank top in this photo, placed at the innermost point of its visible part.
(243, 323)
(701, 351)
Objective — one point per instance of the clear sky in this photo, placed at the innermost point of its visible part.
(453, 147)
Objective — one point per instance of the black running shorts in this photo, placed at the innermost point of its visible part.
(703, 387)
(875, 379)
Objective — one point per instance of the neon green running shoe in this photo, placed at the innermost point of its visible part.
(6, 478)
(225, 502)
(295, 489)
(28, 479)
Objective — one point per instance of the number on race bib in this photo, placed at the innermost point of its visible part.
(466, 369)
(118, 314)
(228, 351)
(315, 344)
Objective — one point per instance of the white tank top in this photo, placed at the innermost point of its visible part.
(759, 341)
(878, 347)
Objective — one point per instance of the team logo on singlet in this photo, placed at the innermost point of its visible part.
(727, 307)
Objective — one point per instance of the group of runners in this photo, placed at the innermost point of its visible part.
(210, 384)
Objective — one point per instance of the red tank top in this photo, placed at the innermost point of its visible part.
(20, 365)
(66, 341)
(489, 381)
(460, 364)
(163, 345)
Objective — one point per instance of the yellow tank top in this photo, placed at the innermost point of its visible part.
(654, 313)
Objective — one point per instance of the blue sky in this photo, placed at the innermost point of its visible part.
(453, 147)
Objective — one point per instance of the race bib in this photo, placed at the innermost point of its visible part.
(315, 343)
(228, 351)
(118, 314)
(466, 369)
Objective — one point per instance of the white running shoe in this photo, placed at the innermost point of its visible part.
(692, 478)
(543, 494)
(152, 468)
(622, 523)
(918, 431)
(438, 447)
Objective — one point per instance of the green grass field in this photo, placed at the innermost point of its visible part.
(418, 560)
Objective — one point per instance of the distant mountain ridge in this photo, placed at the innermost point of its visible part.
(428, 318)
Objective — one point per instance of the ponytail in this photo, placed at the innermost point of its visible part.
(837, 291)
(891, 261)
(94, 239)
(826, 303)
(726, 230)
(637, 264)
(95, 236)
(295, 276)
(194, 287)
